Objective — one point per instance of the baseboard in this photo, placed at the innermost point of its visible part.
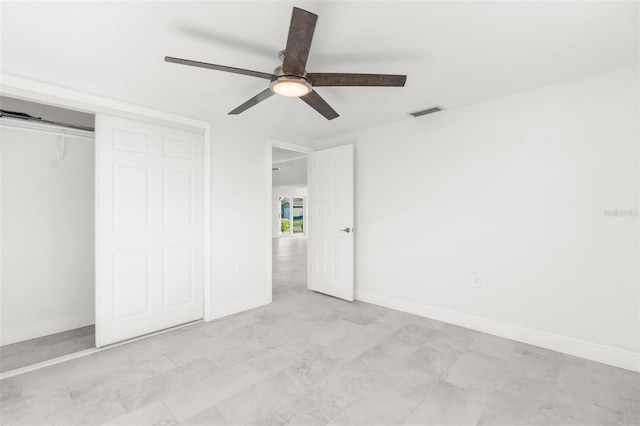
(579, 348)
(45, 328)
(220, 311)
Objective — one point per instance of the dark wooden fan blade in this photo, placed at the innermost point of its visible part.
(316, 102)
(218, 67)
(252, 102)
(340, 79)
(303, 24)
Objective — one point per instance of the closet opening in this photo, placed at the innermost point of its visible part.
(47, 233)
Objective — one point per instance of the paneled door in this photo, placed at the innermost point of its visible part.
(149, 215)
(330, 233)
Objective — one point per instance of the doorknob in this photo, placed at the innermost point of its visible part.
(347, 230)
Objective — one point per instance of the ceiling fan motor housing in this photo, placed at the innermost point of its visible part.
(289, 85)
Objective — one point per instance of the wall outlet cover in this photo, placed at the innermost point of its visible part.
(475, 280)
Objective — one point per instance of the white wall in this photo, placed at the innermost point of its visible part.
(241, 229)
(513, 189)
(47, 234)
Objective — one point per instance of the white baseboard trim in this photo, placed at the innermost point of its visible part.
(45, 328)
(220, 311)
(579, 348)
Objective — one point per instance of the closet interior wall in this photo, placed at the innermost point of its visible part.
(47, 229)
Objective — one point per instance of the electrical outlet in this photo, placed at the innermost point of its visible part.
(475, 280)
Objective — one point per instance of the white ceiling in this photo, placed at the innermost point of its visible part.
(280, 155)
(454, 53)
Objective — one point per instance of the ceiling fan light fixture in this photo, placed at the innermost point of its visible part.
(290, 86)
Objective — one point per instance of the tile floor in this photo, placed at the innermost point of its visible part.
(32, 351)
(310, 359)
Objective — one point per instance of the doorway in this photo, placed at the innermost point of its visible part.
(289, 192)
(329, 221)
(288, 217)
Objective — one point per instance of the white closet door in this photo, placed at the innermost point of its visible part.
(150, 228)
(330, 251)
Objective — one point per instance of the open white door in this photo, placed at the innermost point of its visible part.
(330, 250)
(149, 272)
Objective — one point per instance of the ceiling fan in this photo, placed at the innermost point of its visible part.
(291, 79)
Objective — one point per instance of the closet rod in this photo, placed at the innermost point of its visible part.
(27, 117)
(34, 127)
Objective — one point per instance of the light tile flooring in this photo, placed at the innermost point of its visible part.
(310, 359)
(32, 351)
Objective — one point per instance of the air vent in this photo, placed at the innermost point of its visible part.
(428, 111)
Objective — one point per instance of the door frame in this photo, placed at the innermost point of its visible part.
(29, 90)
(305, 151)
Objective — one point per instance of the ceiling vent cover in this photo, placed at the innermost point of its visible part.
(427, 111)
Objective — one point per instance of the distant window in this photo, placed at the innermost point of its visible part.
(291, 215)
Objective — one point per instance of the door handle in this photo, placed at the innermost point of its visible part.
(347, 230)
